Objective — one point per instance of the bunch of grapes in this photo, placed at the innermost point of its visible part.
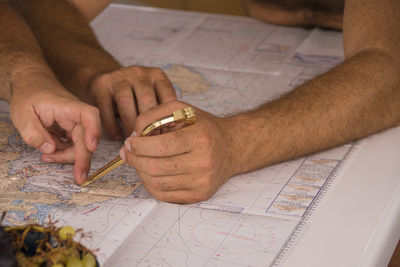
(7, 250)
(43, 246)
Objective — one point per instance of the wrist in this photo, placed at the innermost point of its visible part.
(33, 81)
(252, 140)
(16, 67)
(27, 78)
(82, 79)
(238, 140)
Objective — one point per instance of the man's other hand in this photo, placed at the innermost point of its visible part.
(54, 121)
(128, 92)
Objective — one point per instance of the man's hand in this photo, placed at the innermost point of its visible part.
(128, 92)
(183, 166)
(86, 69)
(54, 121)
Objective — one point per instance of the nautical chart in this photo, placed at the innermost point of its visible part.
(223, 65)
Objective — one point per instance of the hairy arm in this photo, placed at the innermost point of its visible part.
(19, 52)
(40, 108)
(359, 97)
(86, 69)
(69, 44)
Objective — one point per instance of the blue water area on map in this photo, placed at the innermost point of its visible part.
(15, 215)
(16, 201)
(43, 210)
(16, 142)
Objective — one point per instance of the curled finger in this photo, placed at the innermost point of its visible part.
(168, 166)
(65, 156)
(178, 196)
(126, 106)
(143, 88)
(163, 86)
(165, 145)
(33, 132)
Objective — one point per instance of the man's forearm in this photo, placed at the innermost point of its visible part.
(357, 98)
(19, 52)
(68, 42)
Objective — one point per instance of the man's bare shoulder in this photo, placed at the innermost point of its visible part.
(307, 13)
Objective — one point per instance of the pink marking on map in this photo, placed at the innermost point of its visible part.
(89, 211)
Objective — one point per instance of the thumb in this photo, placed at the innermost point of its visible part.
(34, 134)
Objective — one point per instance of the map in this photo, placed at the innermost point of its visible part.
(30, 188)
(223, 65)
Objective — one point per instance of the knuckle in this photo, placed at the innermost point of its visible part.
(160, 184)
(123, 88)
(207, 163)
(151, 183)
(206, 183)
(100, 81)
(162, 197)
(171, 96)
(156, 184)
(152, 168)
(205, 140)
(143, 85)
(118, 74)
(151, 189)
(93, 111)
(136, 70)
(147, 99)
(159, 74)
(123, 99)
(200, 196)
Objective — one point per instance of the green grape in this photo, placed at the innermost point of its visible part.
(57, 265)
(89, 260)
(74, 262)
(66, 231)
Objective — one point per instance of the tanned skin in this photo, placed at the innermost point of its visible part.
(86, 69)
(359, 97)
(41, 109)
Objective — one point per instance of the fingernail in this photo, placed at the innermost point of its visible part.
(122, 154)
(46, 148)
(128, 146)
(134, 134)
(84, 176)
(47, 160)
